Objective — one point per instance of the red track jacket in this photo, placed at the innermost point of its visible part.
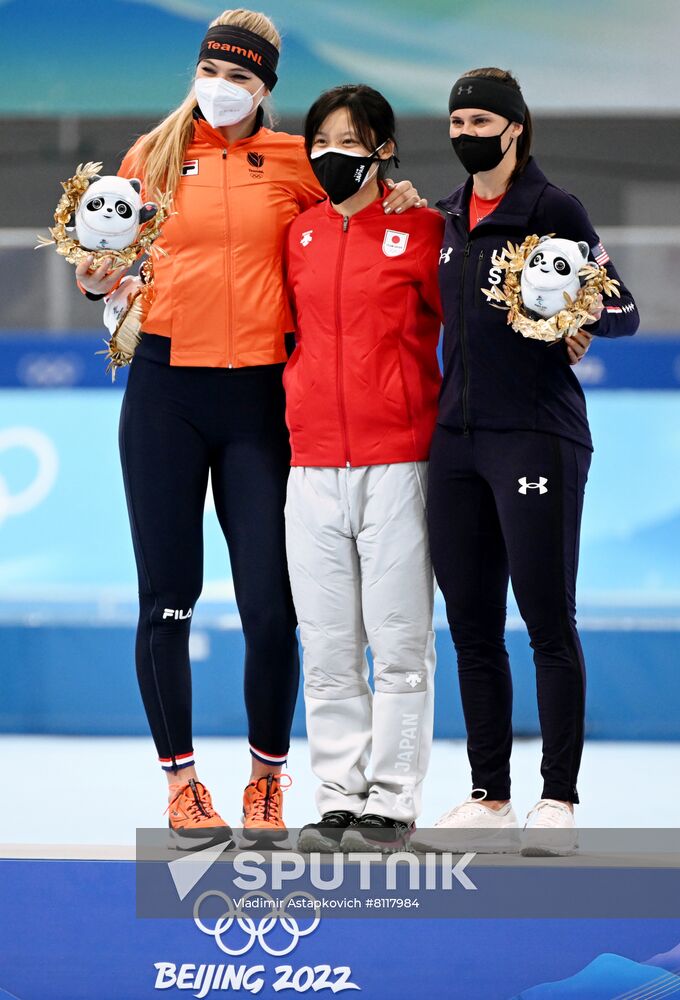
(363, 381)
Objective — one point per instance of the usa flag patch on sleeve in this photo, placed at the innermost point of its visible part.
(600, 255)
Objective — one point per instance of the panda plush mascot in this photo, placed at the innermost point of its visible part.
(550, 271)
(110, 214)
(104, 217)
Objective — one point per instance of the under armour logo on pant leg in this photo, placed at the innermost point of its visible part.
(540, 485)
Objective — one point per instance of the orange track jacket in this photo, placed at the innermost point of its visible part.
(219, 293)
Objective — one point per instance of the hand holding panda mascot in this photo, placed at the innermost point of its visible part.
(109, 217)
(111, 225)
(550, 288)
(110, 214)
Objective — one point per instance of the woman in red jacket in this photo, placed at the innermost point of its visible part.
(204, 398)
(361, 403)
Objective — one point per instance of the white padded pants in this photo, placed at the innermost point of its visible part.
(360, 571)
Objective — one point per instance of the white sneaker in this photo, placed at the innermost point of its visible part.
(471, 826)
(550, 830)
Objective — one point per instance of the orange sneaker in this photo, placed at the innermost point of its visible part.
(263, 824)
(192, 820)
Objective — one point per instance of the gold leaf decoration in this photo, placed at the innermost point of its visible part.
(69, 247)
(121, 347)
(565, 323)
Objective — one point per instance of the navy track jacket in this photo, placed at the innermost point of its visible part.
(494, 378)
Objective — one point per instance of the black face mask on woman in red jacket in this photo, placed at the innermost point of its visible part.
(342, 174)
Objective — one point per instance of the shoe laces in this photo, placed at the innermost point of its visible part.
(342, 815)
(267, 806)
(372, 819)
(197, 803)
(380, 822)
(472, 800)
(549, 807)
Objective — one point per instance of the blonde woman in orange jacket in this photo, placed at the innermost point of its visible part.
(204, 397)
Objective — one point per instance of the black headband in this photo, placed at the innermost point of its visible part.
(246, 48)
(488, 94)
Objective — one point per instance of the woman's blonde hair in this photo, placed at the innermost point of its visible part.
(161, 152)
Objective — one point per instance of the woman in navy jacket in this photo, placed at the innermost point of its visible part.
(509, 461)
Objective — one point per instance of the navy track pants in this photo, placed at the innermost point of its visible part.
(177, 425)
(506, 505)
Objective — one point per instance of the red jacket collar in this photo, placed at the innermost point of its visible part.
(373, 208)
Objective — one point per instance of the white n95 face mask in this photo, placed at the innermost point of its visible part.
(222, 102)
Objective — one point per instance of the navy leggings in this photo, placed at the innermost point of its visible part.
(507, 505)
(177, 425)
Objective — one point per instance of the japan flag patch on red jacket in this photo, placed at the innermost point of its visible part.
(394, 243)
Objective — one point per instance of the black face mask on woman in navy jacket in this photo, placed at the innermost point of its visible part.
(494, 378)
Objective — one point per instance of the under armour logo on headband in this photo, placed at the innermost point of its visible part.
(500, 96)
